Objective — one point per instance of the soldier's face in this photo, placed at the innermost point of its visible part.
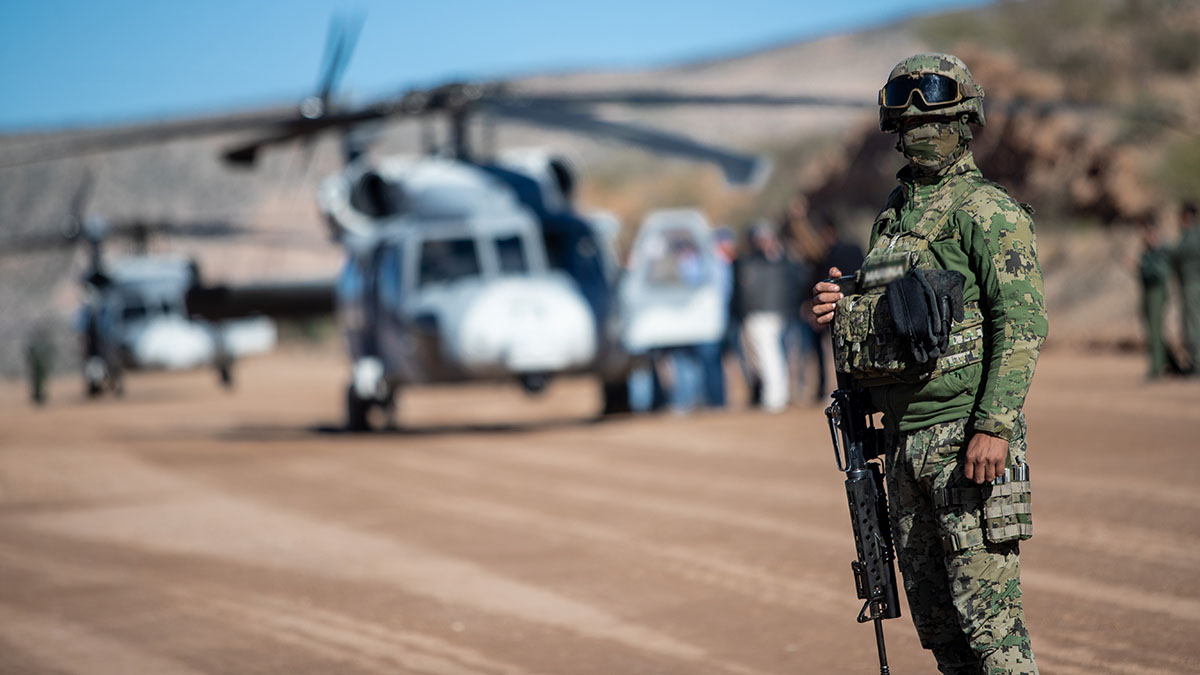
(929, 143)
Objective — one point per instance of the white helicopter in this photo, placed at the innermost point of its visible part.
(136, 320)
(132, 316)
(448, 279)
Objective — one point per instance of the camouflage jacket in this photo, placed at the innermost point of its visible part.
(1186, 257)
(989, 237)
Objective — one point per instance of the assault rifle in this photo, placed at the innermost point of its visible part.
(856, 442)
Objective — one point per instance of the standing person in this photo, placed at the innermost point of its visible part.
(847, 257)
(766, 291)
(803, 246)
(951, 392)
(687, 365)
(1187, 267)
(712, 353)
(1154, 271)
(39, 356)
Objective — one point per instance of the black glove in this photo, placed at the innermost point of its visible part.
(923, 305)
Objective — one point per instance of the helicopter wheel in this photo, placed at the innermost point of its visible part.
(616, 397)
(357, 411)
(95, 376)
(225, 373)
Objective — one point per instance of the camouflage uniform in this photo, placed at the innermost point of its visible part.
(957, 542)
(1154, 270)
(1187, 265)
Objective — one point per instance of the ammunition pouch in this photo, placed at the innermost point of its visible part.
(930, 334)
(1004, 507)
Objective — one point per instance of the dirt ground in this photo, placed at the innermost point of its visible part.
(187, 530)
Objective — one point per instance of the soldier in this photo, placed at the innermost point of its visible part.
(1154, 271)
(1187, 267)
(949, 366)
(39, 356)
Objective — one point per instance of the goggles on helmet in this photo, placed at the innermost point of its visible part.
(934, 90)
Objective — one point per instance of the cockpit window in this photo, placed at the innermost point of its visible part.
(511, 253)
(447, 260)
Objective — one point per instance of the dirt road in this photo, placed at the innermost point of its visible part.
(186, 530)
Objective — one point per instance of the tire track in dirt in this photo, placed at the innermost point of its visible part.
(224, 527)
(1136, 543)
(1129, 598)
(64, 645)
(693, 564)
(363, 638)
(1119, 489)
(586, 491)
(373, 647)
(1093, 535)
(653, 476)
(1077, 655)
(462, 470)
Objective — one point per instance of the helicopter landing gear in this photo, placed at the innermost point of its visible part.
(534, 384)
(359, 411)
(369, 391)
(225, 375)
(97, 377)
(616, 397)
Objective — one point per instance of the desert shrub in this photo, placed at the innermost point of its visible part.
(1176, 51)
(1179, 171)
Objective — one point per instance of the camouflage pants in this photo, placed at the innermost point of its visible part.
(963, 591)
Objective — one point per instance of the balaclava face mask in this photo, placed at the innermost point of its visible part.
(932, 146)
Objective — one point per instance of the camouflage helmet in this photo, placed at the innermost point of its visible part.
(970, 103)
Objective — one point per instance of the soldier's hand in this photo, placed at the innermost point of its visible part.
(986, 457)
(825, 297)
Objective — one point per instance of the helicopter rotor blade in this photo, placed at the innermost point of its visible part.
(79, 202)
(343, 35)
(738, 168)
(27, 243)
(140, 229)
(83, 143)
(664, 98)
(245, 154)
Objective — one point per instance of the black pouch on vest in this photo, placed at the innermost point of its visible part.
(923, 304)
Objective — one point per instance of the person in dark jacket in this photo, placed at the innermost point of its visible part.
(846, 256)
(766, 291)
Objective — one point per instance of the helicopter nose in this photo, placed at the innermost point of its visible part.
(529, 326)
(172, 343)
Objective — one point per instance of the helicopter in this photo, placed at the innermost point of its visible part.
(459, 264)
(463, 265)
(132, 315)
(458, 271)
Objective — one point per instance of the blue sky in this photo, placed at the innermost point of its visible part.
(80, 62)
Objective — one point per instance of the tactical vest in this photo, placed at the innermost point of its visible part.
(865, 342)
